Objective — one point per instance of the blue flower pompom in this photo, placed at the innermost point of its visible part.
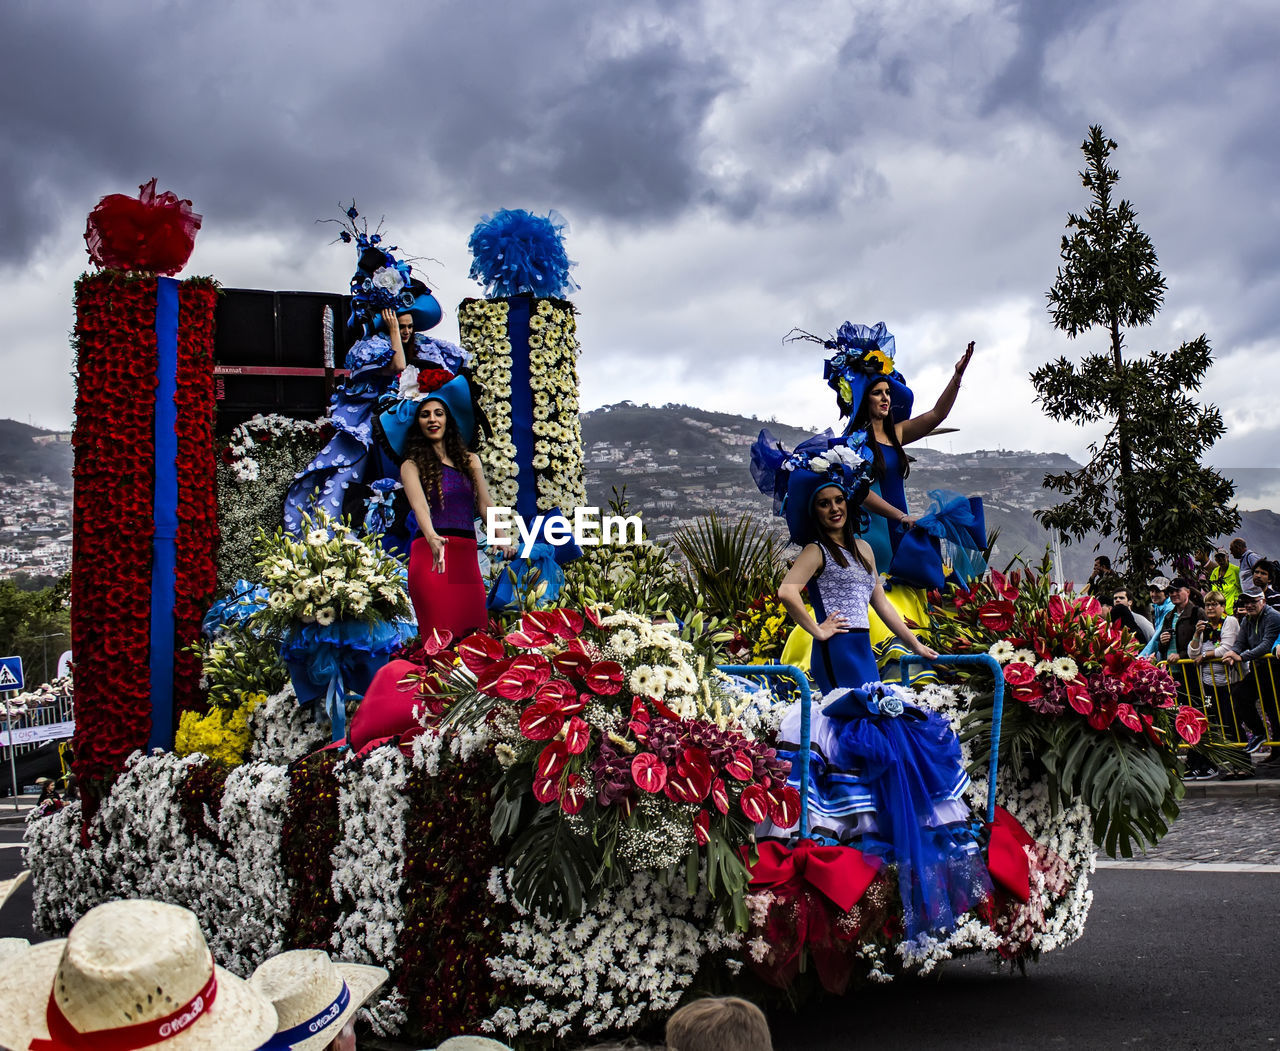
(515, 251)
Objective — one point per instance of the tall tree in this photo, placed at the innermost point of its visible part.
(1144, 482)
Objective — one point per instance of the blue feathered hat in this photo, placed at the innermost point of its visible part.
(794, 479)
(381, 281)
(397, 423)
(863, 356)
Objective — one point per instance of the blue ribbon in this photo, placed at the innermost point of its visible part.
(246, 599)
(164, 515)
(518, 309)
(954, 520)
(286, 1038)
(542, 558)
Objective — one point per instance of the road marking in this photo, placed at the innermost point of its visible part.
(1188, 866)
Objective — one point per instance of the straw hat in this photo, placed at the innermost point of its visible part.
(472, 1043)
(314, 997)
(10, 946)
(8, 886)
(134, 972)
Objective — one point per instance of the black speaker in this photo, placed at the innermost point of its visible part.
(269, 353)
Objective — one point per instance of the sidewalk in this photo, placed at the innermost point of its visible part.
(9, 816)
(1255, 787)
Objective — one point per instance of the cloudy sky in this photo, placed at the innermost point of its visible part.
(729, 170)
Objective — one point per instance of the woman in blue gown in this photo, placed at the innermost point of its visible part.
(885, 776)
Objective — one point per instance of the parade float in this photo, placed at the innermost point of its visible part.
(562, 844)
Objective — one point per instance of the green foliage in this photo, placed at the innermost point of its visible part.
(1144, 482)
(237, 663)
(36, 626)
(728, 566)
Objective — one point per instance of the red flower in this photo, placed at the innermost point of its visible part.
(575, 794)
(702, 828)
(649, 772)
(720, 795)
(562, 695)
(754, 803)
(1078, 697)
(522, 677)
(151, 232)
(546, 789)
(551, 761)
(541, 721)
(1104, 714)
(574, 664)
(562, 623)
(692, 778)
(605, 677)
(1190, 724)
(478, 652)
(527, 640)
(997, 615)
(577, 735)
(1028, 692)
(1128, 715)
(435, 640)
(784, 806)
(1019, 674)
(740, 767)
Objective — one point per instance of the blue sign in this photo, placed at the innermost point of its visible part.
(11, 673)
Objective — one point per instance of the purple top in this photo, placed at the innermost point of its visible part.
(457, 516)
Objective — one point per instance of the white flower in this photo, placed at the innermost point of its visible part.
(326, 616)
(1065, 669)
(388, 277)
(1044, 668)
(1002, 651)
(1023, 656)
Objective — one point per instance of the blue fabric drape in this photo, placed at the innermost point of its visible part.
(164, 515)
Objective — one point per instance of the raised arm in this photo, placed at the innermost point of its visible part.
(397, 345)
(917, 427)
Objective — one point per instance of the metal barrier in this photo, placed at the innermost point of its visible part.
(1213, 699)
(790, 671)
(61, 710)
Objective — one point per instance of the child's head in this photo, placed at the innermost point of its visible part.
(718, 1023)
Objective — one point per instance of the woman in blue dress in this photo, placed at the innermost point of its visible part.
(885, 776)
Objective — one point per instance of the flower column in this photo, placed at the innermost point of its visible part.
(145, 524)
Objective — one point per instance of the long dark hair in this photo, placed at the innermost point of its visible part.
(861, 421)
(430, 467)
(848, 536)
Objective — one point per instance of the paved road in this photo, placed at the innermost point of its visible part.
(1171, 958)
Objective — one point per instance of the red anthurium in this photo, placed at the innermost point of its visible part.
(572, 664)
(740, 767)
(720, 795)
(639, 713)
(577, 735)
(523, 677)
(575, 706)
(1190, 723)
(541, 721)
(692, 778)
(997, 615)
(626, 804)
(1078, 697)
(591, 616)
(649, 772)
(702, 828)
(478, 651)
(754, 804)
(528, 640)
(639, 730)
(563, 623)
(552, 761)
(605, 677)
(1019, 674)
(1128, 715)
(488, 675)
(575, 794)
(560, 693)
(784, 807)
(1103, 716)
(435, 640)
(1028, 692)
(545, 789)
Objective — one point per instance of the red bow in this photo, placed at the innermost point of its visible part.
(1007, 859)
(841, 874)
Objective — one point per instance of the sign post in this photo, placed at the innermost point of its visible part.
(11, 682)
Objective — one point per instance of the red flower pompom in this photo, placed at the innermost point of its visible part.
(151, 232)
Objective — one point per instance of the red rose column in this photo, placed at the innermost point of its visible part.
(145, 525)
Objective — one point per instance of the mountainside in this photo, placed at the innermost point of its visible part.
(678, 463)
(24, 460)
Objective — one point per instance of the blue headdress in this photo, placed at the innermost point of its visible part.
(399, 419)
(794, 479)
(381, 281)
(863, 356)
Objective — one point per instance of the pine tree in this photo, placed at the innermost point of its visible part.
(1144, 483)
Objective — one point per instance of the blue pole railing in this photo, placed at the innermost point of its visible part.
(997, 707)
(789, 671)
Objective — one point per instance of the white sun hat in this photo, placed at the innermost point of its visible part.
(8, 886)
(314, 996)
(132, 975)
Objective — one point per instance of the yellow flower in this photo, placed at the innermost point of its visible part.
(880, 360)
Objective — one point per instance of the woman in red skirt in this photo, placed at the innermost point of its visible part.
(446, 489)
